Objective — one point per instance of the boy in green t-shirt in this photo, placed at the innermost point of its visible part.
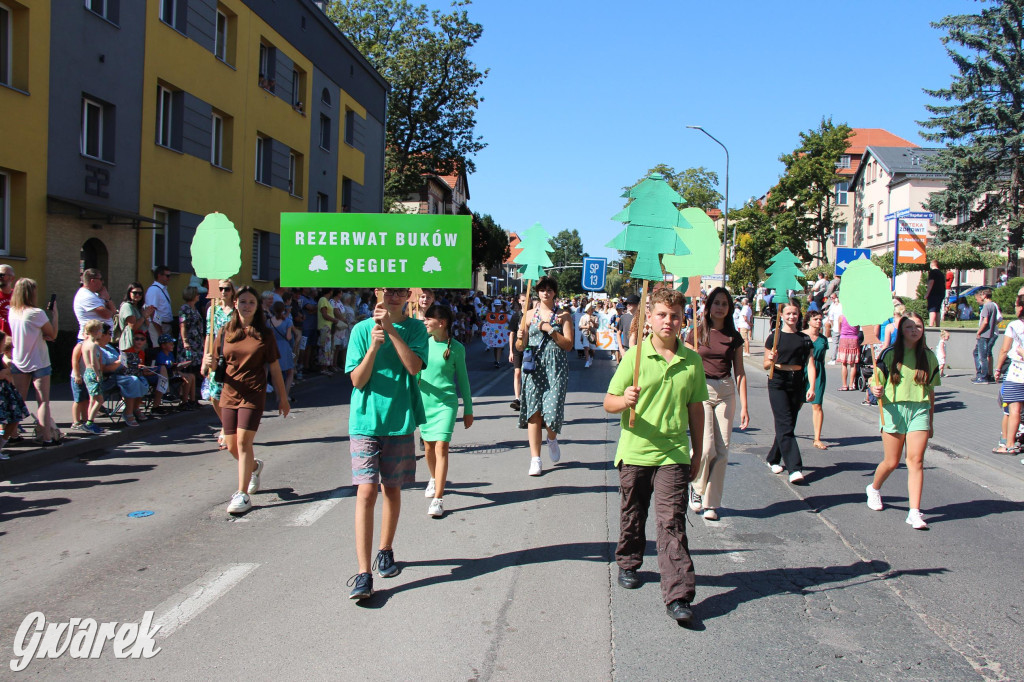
(385, 354)
(652, 456)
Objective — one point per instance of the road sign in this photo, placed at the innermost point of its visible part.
(910, 248)
(846, 256)
(594, 272)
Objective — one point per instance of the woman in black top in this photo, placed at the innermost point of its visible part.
(794, 369)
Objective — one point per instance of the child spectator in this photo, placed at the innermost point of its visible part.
(653, 457)
(93, 374)
(12, 407)
(940, 351)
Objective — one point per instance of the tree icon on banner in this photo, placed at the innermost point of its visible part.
(651, 220)
(784, 271)
(702, 240)
(536, 245)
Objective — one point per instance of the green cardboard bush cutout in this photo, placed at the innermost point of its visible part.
(784, 271)
(536, 245)
(216, 248)
(702, 240)
(865, 294)
(651, 221)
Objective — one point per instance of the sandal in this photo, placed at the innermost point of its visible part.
(1001, 448)
(821, 446)
(221, 445)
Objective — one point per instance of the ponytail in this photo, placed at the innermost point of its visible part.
(448, 348)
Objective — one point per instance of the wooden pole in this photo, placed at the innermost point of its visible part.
(874, 365)
(775, 342)
(639, 341)
(209, 325)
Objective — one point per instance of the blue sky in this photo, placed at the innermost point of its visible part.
(584, 97)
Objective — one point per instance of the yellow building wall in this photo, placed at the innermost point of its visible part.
(351, 161)
(180, 181)
(24, 110)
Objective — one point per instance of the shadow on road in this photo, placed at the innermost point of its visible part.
(497, 499)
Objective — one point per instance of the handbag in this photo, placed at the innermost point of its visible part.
(530, 355)
(220, 372)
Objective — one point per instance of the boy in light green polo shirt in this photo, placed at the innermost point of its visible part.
(653, 457)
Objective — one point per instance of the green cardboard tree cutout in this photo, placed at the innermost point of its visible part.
(216, 248)
(705, 247)
(866, 295)
(784, 271)
(651, 219)
(536, 245)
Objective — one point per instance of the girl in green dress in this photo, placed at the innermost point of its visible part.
(445, 370)
(818, 351)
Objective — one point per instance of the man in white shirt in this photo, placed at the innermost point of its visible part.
(745, 324)
(158, 304)
(92, 301)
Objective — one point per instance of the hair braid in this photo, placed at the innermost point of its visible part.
(448, 350)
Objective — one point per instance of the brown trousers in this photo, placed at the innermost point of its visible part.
(668, 485)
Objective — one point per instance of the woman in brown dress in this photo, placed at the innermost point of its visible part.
(249, 348)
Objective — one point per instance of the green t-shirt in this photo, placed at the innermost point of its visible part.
(390, 403)
(441, 377)
(662, 417)
(908, 391)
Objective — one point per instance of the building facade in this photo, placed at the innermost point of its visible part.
(154, 113)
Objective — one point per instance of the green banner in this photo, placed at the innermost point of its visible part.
(376, 250)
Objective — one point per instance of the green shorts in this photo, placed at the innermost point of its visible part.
(905, 417)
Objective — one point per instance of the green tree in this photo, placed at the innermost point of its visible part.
(802, 204)
(744, 267)
(490, 242)
(754, 221)
(568, 249)
(983, 126)
(424, 55)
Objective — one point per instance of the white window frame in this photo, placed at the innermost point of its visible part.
(5, 213)
(6, 40)
(260, 159)
(842, 193)
(88, 103)
(322, 202)
(163, 217)
(843, 162)
(840, 236)
(172, 20)
(220, 38)
(164, 117)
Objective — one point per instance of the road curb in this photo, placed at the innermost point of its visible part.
(74, 446)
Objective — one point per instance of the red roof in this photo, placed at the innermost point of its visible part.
(862, 138)
(513, 248)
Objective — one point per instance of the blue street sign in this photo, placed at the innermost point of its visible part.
(846, 256)
(594, 272)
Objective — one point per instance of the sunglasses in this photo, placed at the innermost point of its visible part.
(136, 293)
(226, 288)
(394, 292)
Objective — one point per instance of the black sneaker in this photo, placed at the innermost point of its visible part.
(628, 579)
(363, 586)
(680, 611)
(514, 405)
(385, 564)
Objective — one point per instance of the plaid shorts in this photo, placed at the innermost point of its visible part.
(388, 460)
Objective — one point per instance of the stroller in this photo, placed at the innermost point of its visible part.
(865, 369)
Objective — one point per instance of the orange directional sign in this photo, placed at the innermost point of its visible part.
(910, 248)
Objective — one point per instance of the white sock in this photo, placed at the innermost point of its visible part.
(536, 458)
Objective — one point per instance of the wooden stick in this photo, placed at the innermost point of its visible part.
(775, 342)
(874, 366)
(639, 341)
(209, 325)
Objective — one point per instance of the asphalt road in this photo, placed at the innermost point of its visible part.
(516, 582)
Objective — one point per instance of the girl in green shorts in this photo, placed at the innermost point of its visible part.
(904, 382)
(445, 370)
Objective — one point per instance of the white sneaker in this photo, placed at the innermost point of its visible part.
(436, 508)
(254, 480)
(777, 468)
(874, 498)
(586, 364)
(832, 363)
(535, 467)
(554, 452)
(429, 492)
(239, 503)
(796, 477)
(710, 515)
(915, 519)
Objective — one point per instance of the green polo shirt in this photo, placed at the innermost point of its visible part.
(390, 403)
(662, 419)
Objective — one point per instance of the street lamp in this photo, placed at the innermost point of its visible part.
(725, 231)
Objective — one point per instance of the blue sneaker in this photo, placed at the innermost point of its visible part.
(363, 586)
(92, 428)
(385, 564)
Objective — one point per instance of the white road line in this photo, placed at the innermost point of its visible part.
(314, 510)
(188, 603)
